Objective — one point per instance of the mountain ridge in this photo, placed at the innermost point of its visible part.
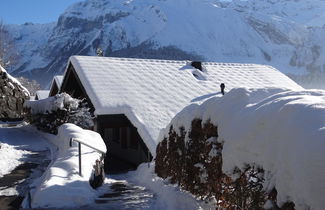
(283, 33)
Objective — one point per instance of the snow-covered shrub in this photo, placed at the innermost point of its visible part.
(267, 150)
(48, 114)
(196, 165)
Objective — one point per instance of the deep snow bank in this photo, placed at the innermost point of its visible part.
(61, 185)
(283, 133)
(10, 158)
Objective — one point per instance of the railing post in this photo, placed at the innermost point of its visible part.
(29, 200)
(148, 156)
(79, 145)
(79, 150)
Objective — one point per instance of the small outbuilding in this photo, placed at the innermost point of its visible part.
(133, 99)
(41, 94)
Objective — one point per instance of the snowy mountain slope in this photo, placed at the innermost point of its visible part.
(30, 40)
(286, 34)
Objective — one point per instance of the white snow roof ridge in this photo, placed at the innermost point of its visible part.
(151, 92)
(42, 94)
(58, 79)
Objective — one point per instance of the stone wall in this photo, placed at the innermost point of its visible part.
(12, 97)
(195, 164)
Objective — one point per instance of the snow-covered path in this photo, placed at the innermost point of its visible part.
(119, 193)
(24, 155)
(24, 137)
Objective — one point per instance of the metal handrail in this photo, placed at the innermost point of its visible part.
(79, 150)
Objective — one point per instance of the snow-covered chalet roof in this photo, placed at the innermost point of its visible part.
(151, 92)
(42, 94)
(57, 80)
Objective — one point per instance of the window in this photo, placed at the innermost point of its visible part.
(116, 134)
(123, 135)
(135, 138)
(127, 137)
(112, 134)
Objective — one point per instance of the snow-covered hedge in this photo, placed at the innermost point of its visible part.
(48, 114)
(61, 185)
(272, 137)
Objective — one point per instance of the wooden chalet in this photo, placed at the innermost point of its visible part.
(133, 99)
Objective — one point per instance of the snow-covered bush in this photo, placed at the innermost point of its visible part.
(266, 150)
(196, 165)
(48, 114)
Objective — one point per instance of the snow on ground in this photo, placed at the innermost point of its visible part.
(24, 137)
(17, 145)
(168, 196)
(280, 130)
(10, 158)
(61, 182)
(142, 189)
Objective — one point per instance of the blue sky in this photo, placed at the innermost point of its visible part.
(36, 11)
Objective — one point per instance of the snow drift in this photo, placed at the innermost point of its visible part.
(10, 158)
(61, 185)
(279, 130)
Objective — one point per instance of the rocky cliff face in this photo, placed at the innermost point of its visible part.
(287, 34)
(12, 97)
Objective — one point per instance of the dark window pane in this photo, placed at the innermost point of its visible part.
(135, 138)
(123, 137)
(116, 134)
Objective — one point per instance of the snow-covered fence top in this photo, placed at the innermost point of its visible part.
(283, 133)
(12, 96)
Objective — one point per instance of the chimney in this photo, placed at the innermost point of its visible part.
(197, 65)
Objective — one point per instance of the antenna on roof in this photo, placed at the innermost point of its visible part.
(222, 87)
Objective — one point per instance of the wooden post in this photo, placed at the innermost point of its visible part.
(148, 158)
(79, 145)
